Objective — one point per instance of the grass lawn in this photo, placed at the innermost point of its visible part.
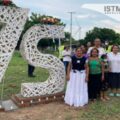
(17, 74)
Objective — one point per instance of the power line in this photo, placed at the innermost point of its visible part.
(79, 31)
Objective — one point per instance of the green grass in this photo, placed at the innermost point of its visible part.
(102, 111)
(17, 74)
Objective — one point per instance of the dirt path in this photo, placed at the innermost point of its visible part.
(52, 111)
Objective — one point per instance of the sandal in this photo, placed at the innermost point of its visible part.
(107, 98)
(102, 99)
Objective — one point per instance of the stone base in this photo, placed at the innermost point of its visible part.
(21, 101)
(7, 105)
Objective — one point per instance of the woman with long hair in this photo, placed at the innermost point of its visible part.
(77, 93)
(95, 74)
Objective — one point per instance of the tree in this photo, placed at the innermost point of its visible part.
(40, 19)
(7, 3)
(104, 34)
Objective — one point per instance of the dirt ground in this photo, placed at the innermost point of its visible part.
(51, 111)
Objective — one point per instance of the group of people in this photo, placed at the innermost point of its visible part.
(90, 72)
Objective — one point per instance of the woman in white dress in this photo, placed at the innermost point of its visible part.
(77, 93)
(114, 65)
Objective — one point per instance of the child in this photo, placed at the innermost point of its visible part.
(105, 83)
(76, 93)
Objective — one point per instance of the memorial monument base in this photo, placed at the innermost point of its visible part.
(21, 101)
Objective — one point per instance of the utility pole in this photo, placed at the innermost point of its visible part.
(71, 15)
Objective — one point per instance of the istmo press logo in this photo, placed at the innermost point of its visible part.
(110, 10)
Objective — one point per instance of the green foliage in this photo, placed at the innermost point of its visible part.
(17, 74)
(38, 19)
(43, 43)
(7, 3)
(104, 34)
(66, 40)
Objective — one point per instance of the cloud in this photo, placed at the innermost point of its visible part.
(106, 23)
(84, 16)
(79, 32)
(100, 8)
(86, 19)
(111, 24)
(48, 7)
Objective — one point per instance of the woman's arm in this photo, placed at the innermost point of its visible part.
(109, 68)
(109, 63)
(68, 71)
(87, 71)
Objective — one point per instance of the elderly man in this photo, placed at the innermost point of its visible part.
(97, 44)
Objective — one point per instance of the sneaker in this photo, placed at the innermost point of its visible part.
(117, 95)
(102, 99)
(111, 94)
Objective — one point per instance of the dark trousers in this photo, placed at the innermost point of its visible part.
(105, 83)
(114, 80)
(94, 85)
(66, 65)
(30, 70)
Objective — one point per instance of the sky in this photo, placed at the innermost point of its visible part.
(83, 19)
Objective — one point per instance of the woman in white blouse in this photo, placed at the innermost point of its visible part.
(114, 64)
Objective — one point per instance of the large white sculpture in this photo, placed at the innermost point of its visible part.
(14, 20)
(56, 81)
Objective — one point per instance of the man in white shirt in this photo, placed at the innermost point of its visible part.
(66, 57)
(97, 44)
